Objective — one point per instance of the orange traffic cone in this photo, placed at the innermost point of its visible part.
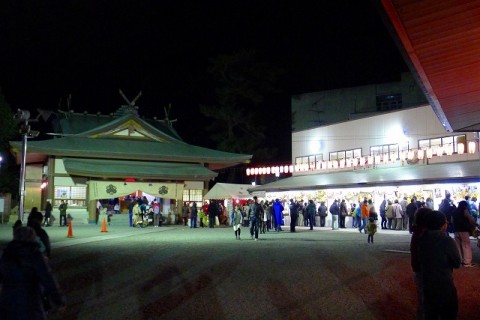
(104, 225)
(70, 233)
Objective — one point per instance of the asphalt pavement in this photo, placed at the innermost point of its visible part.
(174, 272)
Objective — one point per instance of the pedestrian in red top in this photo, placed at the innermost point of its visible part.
(364, 215)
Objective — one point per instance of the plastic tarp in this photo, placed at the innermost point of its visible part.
(229, 191)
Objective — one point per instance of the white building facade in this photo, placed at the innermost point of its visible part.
(404, 153)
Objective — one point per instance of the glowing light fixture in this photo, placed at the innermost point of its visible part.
(420, 154)
(439, 151)
(472, 147)
(429, 153)
(461, 148)
(449, 149)
(410, 155)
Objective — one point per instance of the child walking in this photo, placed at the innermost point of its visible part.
(237, 220)
(371, 229)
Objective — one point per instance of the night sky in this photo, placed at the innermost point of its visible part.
(90, 49)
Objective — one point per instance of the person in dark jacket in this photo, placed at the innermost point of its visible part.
(383, 207)
(48, 214)
(418, 228)
(322, 212)
(293, 215)
(212, 213)
(335, 212)
(446, 207)
(63, 213)
(26, 278)
(463, 224)
(438, 255)
(343, 213)
(193, 215)
(310, 211)
(34, 221)
(411, 209)
(256, 212)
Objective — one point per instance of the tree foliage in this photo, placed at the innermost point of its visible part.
(8, 130)
(241, 83)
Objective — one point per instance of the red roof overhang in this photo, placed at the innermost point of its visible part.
(441, 40)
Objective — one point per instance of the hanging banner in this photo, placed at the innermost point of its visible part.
(115, 189)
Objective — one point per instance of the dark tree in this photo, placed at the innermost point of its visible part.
(8, 129)
(241, 83)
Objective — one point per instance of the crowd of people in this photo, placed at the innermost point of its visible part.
(440, 242)
(142, 212)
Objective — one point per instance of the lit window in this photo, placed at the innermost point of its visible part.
(73, 196)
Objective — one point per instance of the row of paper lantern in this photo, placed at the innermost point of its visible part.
(363, 161)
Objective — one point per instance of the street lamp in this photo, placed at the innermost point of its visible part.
(22, 117)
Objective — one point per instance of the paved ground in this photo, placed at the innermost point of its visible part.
(180, 273)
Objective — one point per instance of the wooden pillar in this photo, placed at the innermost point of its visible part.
(92, 211)
(91, 206)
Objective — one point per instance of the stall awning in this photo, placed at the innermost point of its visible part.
(229, 191)
(467, 171)
(136, 169)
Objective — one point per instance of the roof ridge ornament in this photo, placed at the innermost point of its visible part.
(169, 122)
(130, 108)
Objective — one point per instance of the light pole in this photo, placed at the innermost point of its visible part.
(23, 117)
